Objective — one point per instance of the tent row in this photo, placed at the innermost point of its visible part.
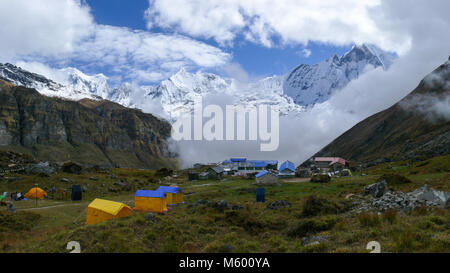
(144, 200)
(38, 193)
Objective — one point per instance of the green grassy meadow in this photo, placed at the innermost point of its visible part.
(185, 228)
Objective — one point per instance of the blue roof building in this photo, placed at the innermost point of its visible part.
(287, 169)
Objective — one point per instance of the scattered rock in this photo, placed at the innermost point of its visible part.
(314, 240)
(40, 168)
(422, 197)
(65, 180)
(375, 190)
(113, 190)
(150, 217)
(93, 178)
(113, 176)
(278, 204)
(84, 188)
(321, 178)
(119, 183)
(221, 205)
(236, 207)
(127, 187)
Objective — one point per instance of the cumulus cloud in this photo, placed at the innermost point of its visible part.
(59, 32)
(44, 27)
(339, 22)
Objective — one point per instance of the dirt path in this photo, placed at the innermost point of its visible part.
(296, 180)
(65, 205)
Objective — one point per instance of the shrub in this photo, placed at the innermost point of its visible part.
(367, 219)
(404, 241)
(311, 226)
(390, 216)
(19, 221)
(315, 206)
(394, 179)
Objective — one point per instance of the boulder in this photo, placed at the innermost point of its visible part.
(427, 194)
(321, 178)
(278, 204)
(71, 167)
(375, 190)
(93, 178)
(65, 180)
(221, 205)
(41, 168)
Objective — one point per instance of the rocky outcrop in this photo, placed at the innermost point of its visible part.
(88, 132)
(375, 190)
(422, 197)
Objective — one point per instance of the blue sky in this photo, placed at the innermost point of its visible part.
(255, 59)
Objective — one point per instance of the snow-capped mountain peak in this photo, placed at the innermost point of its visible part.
(306, 85)
(311, 84)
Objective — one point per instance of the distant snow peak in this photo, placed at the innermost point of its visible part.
(311, 84)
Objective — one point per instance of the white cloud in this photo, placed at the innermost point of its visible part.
(140, 53)
(304, 53)
(58, 32)
(44, 27)
(294, 21)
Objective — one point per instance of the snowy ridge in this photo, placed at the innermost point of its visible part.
(306, 85)
(311, 84)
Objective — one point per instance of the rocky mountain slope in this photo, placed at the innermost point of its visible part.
(418, 125)
(96, 132)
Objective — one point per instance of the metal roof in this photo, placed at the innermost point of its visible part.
(169, 189)
(147, 193)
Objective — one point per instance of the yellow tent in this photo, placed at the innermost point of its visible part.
(36, 193)
(346, 172)
(101, 210)
(174, 194)
(153, 201)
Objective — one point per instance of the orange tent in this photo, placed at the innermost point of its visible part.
(36, 193)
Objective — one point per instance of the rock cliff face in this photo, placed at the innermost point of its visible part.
(89, 132)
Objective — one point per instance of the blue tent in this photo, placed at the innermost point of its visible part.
(262, 173)
(147, 193)
(287, 165)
